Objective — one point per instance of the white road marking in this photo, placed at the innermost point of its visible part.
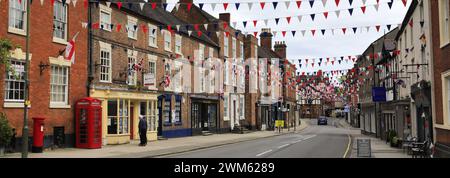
(282, 146)
(268, 151)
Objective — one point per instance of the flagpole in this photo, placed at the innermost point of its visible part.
(26, 89)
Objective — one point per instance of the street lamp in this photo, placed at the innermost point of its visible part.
(26, 88)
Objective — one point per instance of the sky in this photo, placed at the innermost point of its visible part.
(309, 47)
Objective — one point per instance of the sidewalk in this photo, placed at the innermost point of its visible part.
(160, 147)
(379, 148)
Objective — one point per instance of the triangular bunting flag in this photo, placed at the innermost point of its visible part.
(363, 9)
(205, 26)
(234, 24)
(255, 33)
(177, 6)
(141, 5)
(275, 4)
(250, 5)
(405, 2)
(218, 33)
(354, 29)
(299, 4)
(288, 19)
(344, 30)
(178, 27)
(237, 5)
(255, 22)
(337, 2)
(74, 2)
(390, 4)
(378, 28)
(284, 33)
(287, 3)
(300, 19)
(189, 7)
(311, 3)
(245, 24)
(262, 5)
(376, 6)
(225, 6)
(293, 33)
(323, 31)
(213, 6)
(324, 2)
(277, 20)
(108, 4)
(313, 16)
(313, 32)
(351, 2)
(350, 11)
(303, 32)
(119, 5)
(337, 13)
(326, 15)
(266, 21)
(189, 32)
(199, 33)
(200, 5)
(389, 27)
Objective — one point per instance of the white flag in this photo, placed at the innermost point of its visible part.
(376, 7)
(177, 6)
(324, 2)
(337, 13)
(274, 33)
(250, 4)
(287, 3)
(206, 26)
(213, 6)
(108, 4)
(178, 27)
(300, 19)
(218, 34)
(42, 2)
(142, 5)
(189, 32)
(266, 21)
(234, 24)
(303, 32)
(364, 2)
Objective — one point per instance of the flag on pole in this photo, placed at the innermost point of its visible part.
(70, 49)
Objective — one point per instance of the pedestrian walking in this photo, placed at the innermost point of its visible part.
(142, 130)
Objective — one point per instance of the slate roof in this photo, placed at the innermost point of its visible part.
(164, 18)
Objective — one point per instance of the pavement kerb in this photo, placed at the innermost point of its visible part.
(222, 144)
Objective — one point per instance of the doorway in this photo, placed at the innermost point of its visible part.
(131, 122)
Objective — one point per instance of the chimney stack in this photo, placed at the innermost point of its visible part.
(225, 17)
(280, 49)
(266, 38)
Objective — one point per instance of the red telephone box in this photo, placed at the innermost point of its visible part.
(38, 135)
(88, 123)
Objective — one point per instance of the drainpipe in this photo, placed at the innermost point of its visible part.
(90, 72)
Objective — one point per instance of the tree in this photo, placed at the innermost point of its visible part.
(5, 131)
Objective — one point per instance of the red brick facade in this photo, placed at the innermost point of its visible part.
(42, 48)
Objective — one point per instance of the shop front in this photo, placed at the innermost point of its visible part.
(120, 115)
(204, 114)
(173, 117)
(421, 93)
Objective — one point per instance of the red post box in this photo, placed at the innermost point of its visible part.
(88, 123)
(38, 135)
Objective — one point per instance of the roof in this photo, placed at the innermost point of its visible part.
(267, 53)
(163, 17)
(408, 16)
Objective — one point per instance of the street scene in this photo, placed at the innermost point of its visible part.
(177, 79)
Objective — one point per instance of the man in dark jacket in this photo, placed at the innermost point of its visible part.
(143, 131)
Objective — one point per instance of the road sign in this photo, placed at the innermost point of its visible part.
(364, 148)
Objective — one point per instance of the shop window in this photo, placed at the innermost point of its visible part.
(112, 117)
(118, 117)
(178, 110)
(167, 110)
(148, 110)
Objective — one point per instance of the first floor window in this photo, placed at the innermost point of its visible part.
(14, 82)
(132, 75)
(241, 106)
(59, 81)
(105, 65)
(17, 14)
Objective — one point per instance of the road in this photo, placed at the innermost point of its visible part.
(315, 141)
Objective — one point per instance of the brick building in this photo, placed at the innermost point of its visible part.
(231, 43)
(145, 67)
(440, 29)
(55, 83)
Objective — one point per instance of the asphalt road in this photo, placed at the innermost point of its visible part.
(313, 142)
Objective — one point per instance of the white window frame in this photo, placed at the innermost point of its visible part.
(211, 52)
(65, 102)
(105, 48)
(55, 38)
(226, 107)
(242, 50)
(176, 79)
(226, 73)
(10, 78)
(105, 22)
(178, 44)
(133, 56)
(201, 52)
(233, 73)
(226, 45)
(242, 107)
(152, 59)
(444, 19)
(11, 25)
(233, 47)
(131, 22)
(167, 41)
(152, 43)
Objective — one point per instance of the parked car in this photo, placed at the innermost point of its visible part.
(322, 120)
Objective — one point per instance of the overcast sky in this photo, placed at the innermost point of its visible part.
(300, 47)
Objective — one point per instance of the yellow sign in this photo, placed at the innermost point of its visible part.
(279, 123)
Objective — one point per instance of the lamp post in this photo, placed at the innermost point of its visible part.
(26, 88)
